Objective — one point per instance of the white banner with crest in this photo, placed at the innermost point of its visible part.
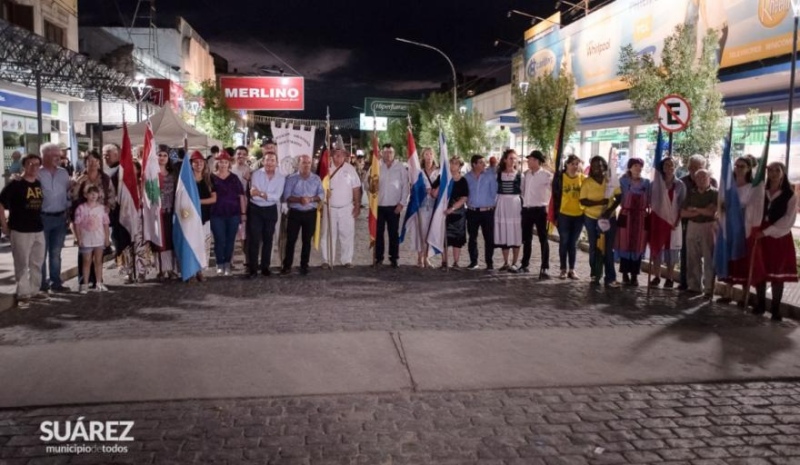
(292, 142)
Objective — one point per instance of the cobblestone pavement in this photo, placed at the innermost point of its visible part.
(701, 424)
(358, 299)
(754, 423)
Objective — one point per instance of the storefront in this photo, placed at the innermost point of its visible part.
(754, 73)
(20, 125)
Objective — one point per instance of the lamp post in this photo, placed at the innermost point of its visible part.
(583, 4)
(452, 68)
(523, 87)
(497, 43)
(796, 11)
(533, 18)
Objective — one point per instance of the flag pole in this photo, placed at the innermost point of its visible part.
(329, 237)
(750, 274)
(444, 222)
(369, 185)
(423, 240)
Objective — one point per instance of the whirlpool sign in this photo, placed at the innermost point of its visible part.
(589, 48)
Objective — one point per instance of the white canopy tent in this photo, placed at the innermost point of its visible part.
(168, 128)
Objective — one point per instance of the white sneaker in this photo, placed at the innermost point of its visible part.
(82, 289)
(227, 270)
(101, 287)
(220, 270)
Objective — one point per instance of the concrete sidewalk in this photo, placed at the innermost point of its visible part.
(370, 362)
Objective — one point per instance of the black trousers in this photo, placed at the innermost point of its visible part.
(305, 221)
(485, 222)
(535, 216)
(388, 220)
(683, 279)
(260, 230)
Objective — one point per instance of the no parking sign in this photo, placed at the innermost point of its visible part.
(673, 113)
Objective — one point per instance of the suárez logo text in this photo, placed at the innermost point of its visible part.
(90, 431)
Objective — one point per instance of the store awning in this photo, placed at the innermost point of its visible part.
(26, 57)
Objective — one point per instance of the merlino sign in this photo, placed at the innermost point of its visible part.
(264, 92)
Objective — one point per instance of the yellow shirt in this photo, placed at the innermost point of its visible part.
(591, 190)
(571, 194)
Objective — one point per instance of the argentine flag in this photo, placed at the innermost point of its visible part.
(731, 243)
(419, 190)
(437, 234)
(187, 224)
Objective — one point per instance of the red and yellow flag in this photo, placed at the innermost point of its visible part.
(374, 175)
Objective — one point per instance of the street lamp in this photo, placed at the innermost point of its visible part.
(452, 68)
(582, 4)
(533, 18)
(497, 43)
(796, 11)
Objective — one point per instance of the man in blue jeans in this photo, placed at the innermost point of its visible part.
(55, 189)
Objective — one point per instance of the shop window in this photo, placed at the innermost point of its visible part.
(54, 33)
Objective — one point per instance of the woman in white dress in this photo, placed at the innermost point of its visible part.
(508, 213)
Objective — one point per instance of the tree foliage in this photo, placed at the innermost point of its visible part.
(469, 134)
(466, 132)
(215, 117)
(540, 109)
(680, 72)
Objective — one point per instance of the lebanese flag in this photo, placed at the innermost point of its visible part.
(151, 190)
(662, 214)
(128, 195)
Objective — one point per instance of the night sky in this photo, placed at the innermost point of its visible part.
(346, 49)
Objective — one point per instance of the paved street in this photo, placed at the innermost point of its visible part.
(699, 424)
(740, 419)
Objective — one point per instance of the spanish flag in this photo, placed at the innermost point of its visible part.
(374, 176)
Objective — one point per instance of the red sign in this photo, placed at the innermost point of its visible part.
(263, 92)
(163, 91)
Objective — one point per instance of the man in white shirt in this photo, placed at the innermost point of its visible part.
(536, 189)
(344, 206)
(392, 197)
(242, 169)
(266, 190)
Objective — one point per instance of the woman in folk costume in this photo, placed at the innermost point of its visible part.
(508, 213)
(165, 257)
(667, 194)
(774, 240)
(425, 213)
(631, 238)
(738, 270)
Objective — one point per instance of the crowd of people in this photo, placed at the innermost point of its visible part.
(507, 206)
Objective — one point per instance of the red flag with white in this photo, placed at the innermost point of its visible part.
(128, 194)
(151, 191)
